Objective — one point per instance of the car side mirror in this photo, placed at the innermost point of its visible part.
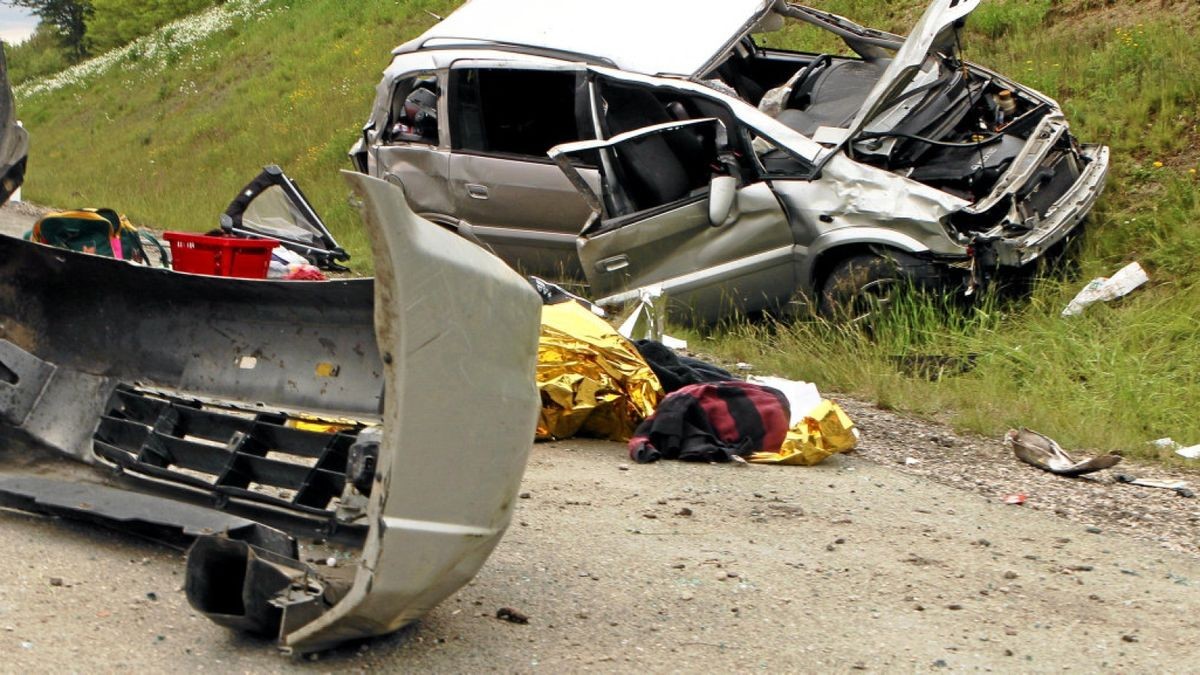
(722, 201)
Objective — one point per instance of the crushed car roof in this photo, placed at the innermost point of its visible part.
(675, 37)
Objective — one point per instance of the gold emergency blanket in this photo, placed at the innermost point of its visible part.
(593, 381)
(824, 432)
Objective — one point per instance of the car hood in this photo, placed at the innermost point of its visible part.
(935, 32)
(14, 142)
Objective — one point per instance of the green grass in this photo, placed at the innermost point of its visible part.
(171, 144)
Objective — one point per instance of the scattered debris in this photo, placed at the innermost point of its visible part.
(1180, 487)
(648, 319)
(511, 615)
(1192, 452)
(1107, 289)
(272, 206)
(1015, 500)
(1041, 451)
(802, 396)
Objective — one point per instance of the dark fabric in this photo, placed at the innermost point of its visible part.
(676, 372)
(836, 96)
(659, 169)
(712, 423)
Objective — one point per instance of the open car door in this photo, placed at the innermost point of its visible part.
(14, 141)
(676, 213)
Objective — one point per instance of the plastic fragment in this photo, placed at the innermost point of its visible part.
(1102, 289)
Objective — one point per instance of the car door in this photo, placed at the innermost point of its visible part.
(657, 223)
(409, 149)
(505, 118)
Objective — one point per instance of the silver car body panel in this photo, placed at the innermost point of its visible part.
(14, 141)
(445, 313)
(487, 194)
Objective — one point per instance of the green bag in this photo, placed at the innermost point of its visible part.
(96, 231)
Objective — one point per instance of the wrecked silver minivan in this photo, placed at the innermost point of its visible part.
(737, 177)
(309, 439)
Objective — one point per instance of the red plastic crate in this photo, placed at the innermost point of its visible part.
(220, 256)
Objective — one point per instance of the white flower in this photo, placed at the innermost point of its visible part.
(172, 39)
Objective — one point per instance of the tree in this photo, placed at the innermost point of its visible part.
(69, 17)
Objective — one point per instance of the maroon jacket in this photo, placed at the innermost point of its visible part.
(712, 423)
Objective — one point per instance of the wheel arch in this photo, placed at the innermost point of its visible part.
(827, 252)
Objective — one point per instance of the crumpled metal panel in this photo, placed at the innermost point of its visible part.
(593, 381)
(458, 333)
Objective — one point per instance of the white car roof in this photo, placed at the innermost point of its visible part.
(654, 37)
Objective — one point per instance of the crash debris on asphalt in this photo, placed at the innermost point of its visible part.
(1043, 452)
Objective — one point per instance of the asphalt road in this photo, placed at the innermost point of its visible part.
(852, 565)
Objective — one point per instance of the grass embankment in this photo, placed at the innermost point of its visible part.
(169, 139)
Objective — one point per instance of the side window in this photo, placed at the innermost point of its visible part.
(514, 112)
(414, 114)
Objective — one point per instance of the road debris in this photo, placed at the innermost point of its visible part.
(1043, 452)
(1180, 487)
(593, 382)
(1192, 452)
(511, 615)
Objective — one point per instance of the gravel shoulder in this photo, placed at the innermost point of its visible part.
(16, 218)
(857, 564)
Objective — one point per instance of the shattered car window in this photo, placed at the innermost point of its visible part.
(415, 110)
(515, 112)
(274, 214)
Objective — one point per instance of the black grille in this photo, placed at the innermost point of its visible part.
(230, 452)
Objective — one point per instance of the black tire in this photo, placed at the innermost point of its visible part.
(859, 289)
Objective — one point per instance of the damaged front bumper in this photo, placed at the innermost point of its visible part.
(383, 427)
(1045, 195)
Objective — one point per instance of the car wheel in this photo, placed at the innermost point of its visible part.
(860, 289)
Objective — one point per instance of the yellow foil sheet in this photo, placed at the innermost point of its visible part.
(825, 432)
(593, 381)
